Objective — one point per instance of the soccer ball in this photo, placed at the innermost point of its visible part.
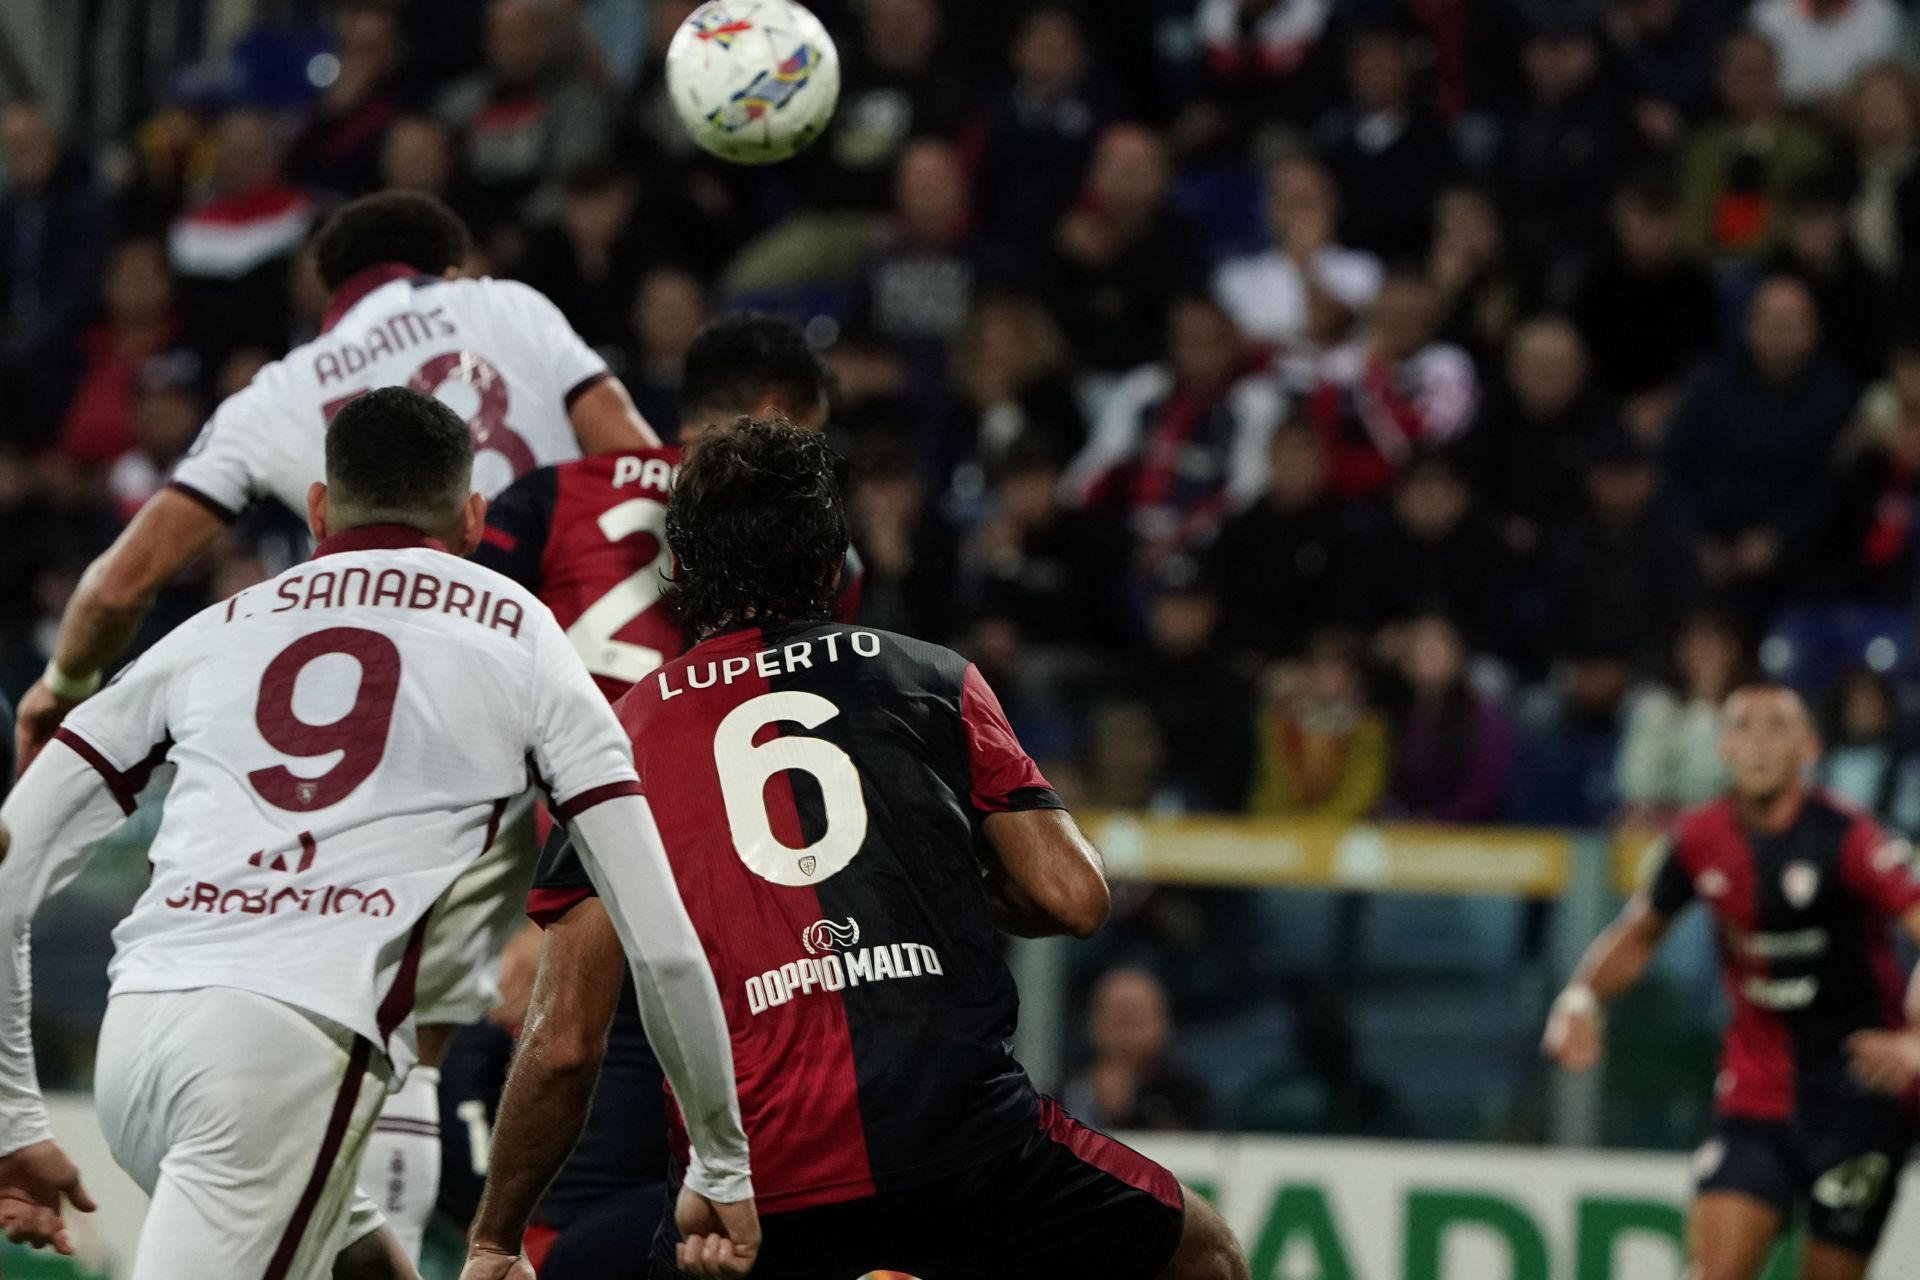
(754, 81)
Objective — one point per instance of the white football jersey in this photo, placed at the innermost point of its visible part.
(495, 351)
(346, 736)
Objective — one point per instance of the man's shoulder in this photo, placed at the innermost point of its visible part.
(1706, 829)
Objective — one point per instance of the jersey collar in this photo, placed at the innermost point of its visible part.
(377, 537)
(359, 285)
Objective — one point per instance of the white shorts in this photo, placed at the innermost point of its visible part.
(243, 1118)
(459, 978)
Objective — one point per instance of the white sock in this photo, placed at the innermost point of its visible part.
(401, 1166)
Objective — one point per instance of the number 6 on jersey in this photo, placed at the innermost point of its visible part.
(744, 769)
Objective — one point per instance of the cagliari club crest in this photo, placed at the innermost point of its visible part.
(1799, 882)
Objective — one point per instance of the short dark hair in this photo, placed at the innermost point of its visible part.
(407, 227)
(758, 527)
(738, 360)
(396, 455)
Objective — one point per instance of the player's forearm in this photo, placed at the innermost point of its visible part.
(679, 1002)
(542, 1111)
(1618, 958)
(118, 588)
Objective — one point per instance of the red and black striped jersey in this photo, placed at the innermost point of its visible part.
(821, 789)
(589, 538)
(1803, 921)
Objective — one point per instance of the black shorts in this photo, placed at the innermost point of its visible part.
(1067, 1203)
(1839, 1162)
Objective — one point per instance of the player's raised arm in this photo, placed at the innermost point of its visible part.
(605, 418)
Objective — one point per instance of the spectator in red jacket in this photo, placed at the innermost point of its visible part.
(139, 321)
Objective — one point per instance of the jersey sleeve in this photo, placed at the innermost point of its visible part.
(1002, 777)
(579, 749)
(517, 524)
(1878, 868)
(232, 458)
(561, 883)
(577, 368)
(1668, 886)
(122, 731)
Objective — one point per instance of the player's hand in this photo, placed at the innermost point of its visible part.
(1573, 1037)
(1888, 1061)
(33, 1182)
(34, 721)
(717, 1241)
(485, 1262)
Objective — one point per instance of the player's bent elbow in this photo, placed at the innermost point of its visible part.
(1089, 910)
(571, 1051)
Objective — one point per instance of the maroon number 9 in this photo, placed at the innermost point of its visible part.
(360, 735)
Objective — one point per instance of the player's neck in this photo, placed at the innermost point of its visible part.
(1771, 814)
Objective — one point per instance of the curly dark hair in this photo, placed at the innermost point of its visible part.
(739, 359)
(407, 227)
(758, 527)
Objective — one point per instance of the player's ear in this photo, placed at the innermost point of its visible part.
(317, 509)
(473, 524)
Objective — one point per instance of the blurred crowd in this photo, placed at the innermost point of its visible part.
(1415, 408)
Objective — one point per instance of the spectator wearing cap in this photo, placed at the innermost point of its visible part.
(1040, 133)
(525, 119)
(1647, 306)
(1431, 550)
(1669, 754)
(1749, 446)
(338, 149)
(1280, 562)
(1565, 146)
(1737, 167)
(1453, 746)
(139, 320)
(53, 236)
(1182, 442)
(1387, 150)
(1824, 43)
(1123, 253)
(1322, 745)
(1394, 391)
(1533, 441)
(1622, 566)
(1273, 295)
(1872, 543)
(1817, 249)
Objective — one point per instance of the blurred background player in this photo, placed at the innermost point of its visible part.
(589, 538)
(398, 315)
(853, 919)
(1804, 893)
(262, 1004)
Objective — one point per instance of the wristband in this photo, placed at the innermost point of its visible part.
(1578, 1000)
(69, 688)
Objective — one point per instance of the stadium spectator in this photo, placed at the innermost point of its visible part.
(1012, 390)
(1273, 295)
(669, 309)
(232, 248)
(167, 413)
(1669, 753)
(1817, 249)
(1822, 43)
(1182, 443)
(1280, 562)
(1873, 542)
(524, 120)
(1567, 738)
(1622, 569)
(1535, 436)
(1040, 133)
(1735, 168)
(1198, 701)
(1388, 152)
(1664, 49)
(1883, 120)
(1452, 746)
(1564, 147)
(1646, 306)
(1123, 253)
(1322, 747)
(896, 88)
(139, 320)
(590, 258)
(1126, 758)
(906, 550)
(416, 154)
(338, 149)
(1482, 292)
(1870, 760)
(1432, 552)
(1750, 441)
(1392, 392)
(53, 236)
(1263, 61)
(1133, 1081)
